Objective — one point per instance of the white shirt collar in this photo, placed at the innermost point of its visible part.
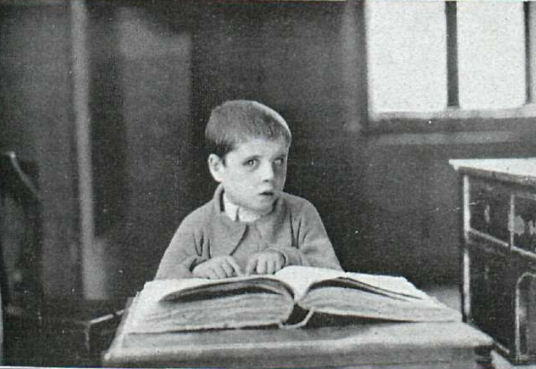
(237, 213)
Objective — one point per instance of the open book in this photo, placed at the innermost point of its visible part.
(287, 299)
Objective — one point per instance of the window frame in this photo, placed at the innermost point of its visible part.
(454, 119)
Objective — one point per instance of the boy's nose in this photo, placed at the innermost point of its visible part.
(267, 172)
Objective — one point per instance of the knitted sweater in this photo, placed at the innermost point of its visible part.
(293, 227)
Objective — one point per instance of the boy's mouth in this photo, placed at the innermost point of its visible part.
(267, 193)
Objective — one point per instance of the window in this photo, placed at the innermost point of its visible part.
(407, 56)
(449, 60)
(491, 55)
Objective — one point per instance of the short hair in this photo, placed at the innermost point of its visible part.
(236, 121)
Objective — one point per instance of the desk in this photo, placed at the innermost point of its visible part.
(453, 345)
(499, 251)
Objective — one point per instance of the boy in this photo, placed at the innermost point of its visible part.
(250, 226)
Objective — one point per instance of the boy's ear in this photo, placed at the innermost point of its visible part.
(215, 165)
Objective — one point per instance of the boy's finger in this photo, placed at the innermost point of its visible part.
(236, 268)
(227, 268)
(252, 264)
(220, 272)
(270, 267)
(262, 266)
(211, 274)
(277, 266)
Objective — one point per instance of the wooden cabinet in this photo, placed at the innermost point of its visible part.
(498, 252)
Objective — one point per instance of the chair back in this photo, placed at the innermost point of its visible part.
(20, 285)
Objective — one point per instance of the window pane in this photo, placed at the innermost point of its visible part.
(491, 54)
(407, 55)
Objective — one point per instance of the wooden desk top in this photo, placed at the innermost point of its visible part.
(407, 345)
(519, 170)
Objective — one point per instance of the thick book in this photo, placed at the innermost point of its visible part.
(288, 298)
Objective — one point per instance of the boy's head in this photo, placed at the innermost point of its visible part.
(236, 121)
(249, 144)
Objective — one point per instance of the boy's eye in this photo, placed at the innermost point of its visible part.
(250, 162)
(279, 161)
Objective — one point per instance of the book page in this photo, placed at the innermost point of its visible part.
(296, 280)
(301, 278)
(341, 301)
(166, 290)
(397, 285)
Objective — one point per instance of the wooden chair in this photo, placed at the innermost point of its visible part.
(19, 282)
(41, 331)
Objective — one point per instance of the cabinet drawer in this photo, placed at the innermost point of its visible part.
(524, 223)
(491, 295)
(489, 205)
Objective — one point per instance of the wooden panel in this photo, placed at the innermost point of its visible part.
(155, 84)
(36, 116)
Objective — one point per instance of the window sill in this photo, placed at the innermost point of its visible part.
(453, 126)
(453, 120)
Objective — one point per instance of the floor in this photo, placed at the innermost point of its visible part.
(450, 296)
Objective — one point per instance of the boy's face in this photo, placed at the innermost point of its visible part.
(253, 174)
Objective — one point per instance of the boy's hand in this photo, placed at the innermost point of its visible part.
(217, 268)
(265, 262)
